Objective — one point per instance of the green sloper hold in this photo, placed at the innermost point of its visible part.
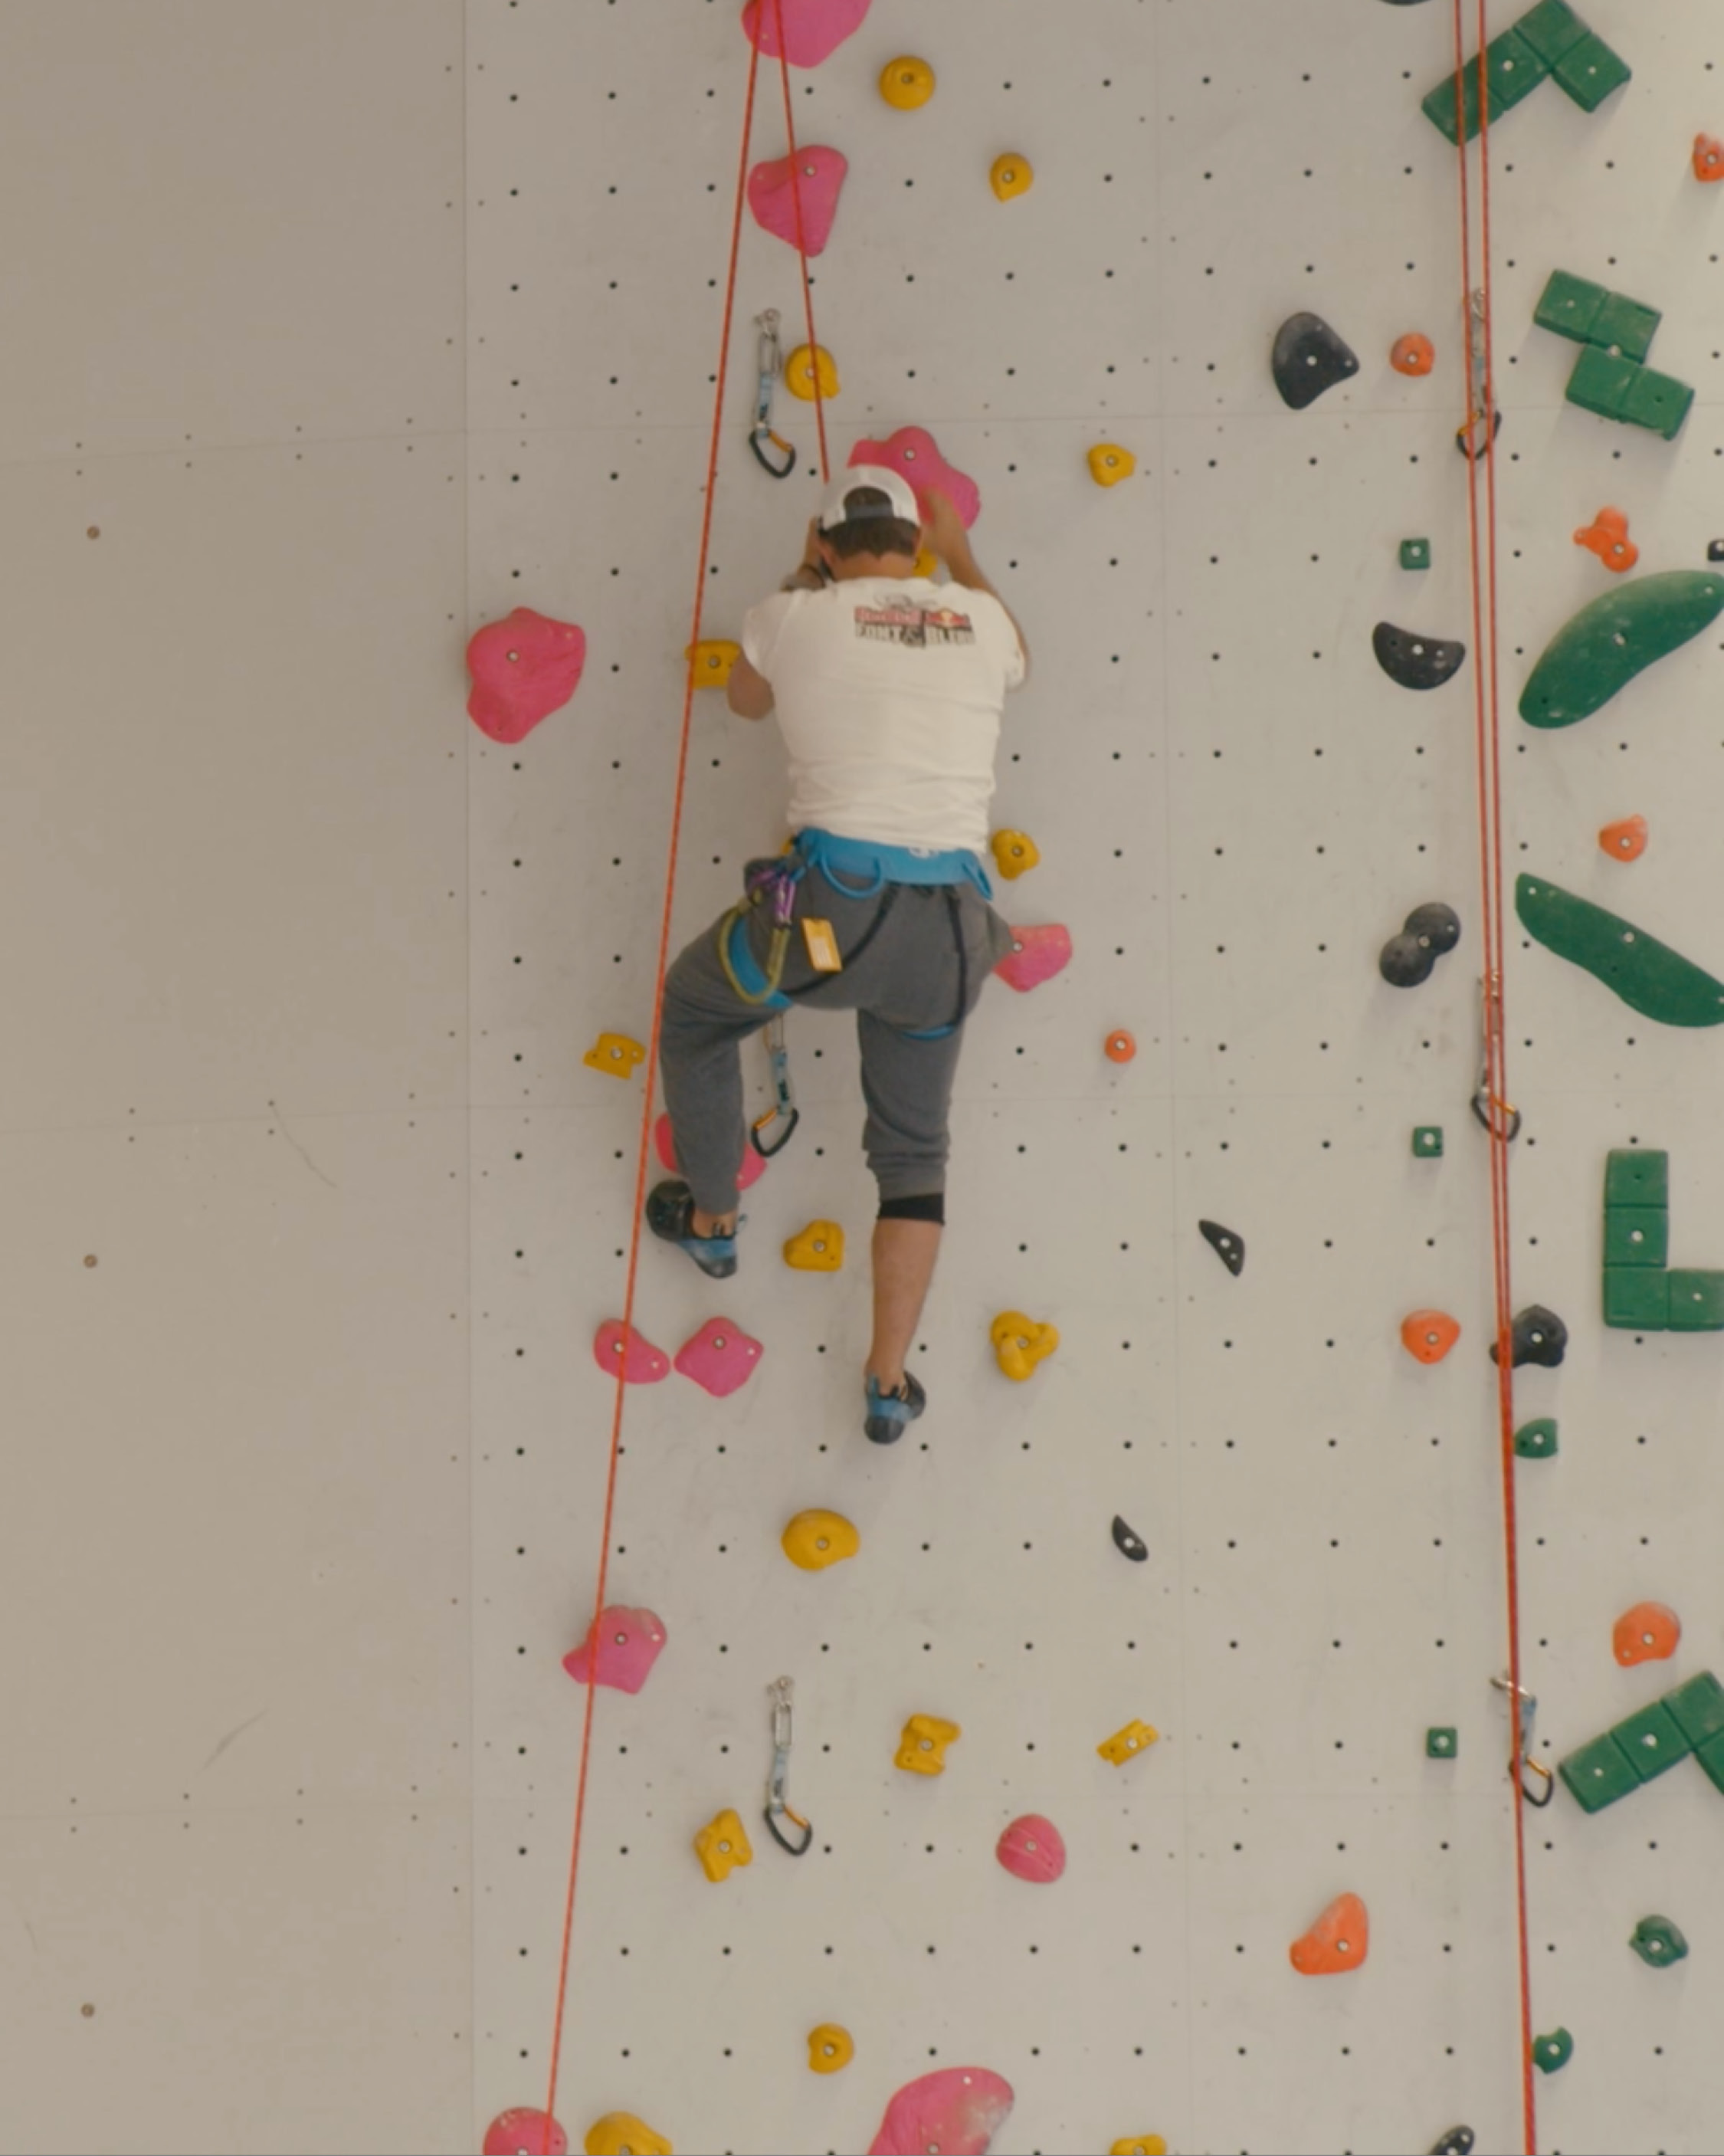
(1647, 975)
(1615, 639)
(1658, 1943)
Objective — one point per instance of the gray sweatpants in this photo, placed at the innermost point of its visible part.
(915, 957)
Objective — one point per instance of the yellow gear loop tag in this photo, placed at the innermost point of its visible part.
(821, 946)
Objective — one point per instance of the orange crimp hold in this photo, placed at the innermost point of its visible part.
(1338, 1941)
(1607, 537)
(1121, 1048)
(1625, 841)
(1647, 1633)
(1708, 157)
(1412, 354)
(1428, 1335)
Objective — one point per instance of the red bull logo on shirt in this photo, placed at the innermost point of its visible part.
(915, 625)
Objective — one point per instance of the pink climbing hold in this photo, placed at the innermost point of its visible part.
(958, 2112)
(1040, 953)
(721, 1356)
(754, 1164)
(629, 1642)
(820, 177)
(1032, 1849)
(913, 451)
(523, 670)
(643, 1364)
(813, 29)
(524, 2133)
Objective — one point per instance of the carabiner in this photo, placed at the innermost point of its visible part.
(784, 1106)
(778, 1800)
(1544, 1781)
(1486, 1104)
(768, 364)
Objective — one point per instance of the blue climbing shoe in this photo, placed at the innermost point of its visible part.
(670, 1212)
(890, 1413)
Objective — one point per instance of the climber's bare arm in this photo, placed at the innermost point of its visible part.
(750, 694)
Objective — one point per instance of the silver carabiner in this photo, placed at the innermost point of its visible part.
(784, 1109)
(767, 363)
(1487, 1104)
(777, 1796)
(1544, 1782)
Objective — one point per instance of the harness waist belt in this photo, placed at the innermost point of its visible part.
(876, 865)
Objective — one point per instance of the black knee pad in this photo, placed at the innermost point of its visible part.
(931, 1207)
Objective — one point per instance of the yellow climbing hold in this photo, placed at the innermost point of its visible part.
(922, 1749)
(926, 562)
(800, 370)
(1127, 1743)
(1014, 852)
(1108, 464)
(1011, 175)
(1019, 1343)
(1142, 2144)
(819, 1248)
(616, 1055)
(906, 82)
(712, 661)
(814, 1540)
(722, 1847)
(621, 2133)
(830, 2048)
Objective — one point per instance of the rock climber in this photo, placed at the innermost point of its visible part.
(889, 690)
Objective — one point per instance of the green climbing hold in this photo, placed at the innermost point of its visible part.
(1427, 1141)
(1537, 1441)
(1415, 553)
(1658, 1942)
(1589, 71)
(1619, 635)
(1441, 1743)
(1637, 1236)
(1552, 28)
(1636, 1175)
(1698, 1708)
(1651, 1740)
(1552, 2052)
(1647, 975)
(1598, 1774)
(1696, 1301)
(1711, 1756)
(1617, 387)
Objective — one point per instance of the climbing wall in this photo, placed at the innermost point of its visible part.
(1235, 806)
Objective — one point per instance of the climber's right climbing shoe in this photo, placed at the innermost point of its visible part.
(670, 1212)
(889, 1414)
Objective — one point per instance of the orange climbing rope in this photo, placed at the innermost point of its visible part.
(1480, 449)
(649, 1102)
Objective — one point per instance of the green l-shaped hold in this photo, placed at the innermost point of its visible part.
(1617, 637)
(1647, 975)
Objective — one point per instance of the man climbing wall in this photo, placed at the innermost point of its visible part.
(889, 697)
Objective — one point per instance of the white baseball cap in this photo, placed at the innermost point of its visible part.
(893, 484)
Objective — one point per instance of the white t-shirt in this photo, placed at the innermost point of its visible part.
(889, 693)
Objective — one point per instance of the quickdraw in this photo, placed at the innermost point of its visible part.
(1487, 1104)
(769, 364)
(777, 1796)
(1543, 1785)
(783, 1108)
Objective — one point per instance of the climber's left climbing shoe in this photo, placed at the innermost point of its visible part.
(669, 1213)
(891, 1414)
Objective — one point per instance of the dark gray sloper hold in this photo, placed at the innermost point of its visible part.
(1308, 358)
(1416, 662)
(1128, 1544)
(1229, 1247)
(1428, 932)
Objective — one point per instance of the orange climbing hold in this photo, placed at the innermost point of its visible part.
(1337, 1942)
(1428, 1335)
(1412, 354)
(1647, 1633)
(1121, 1048)
(1607, 537)
(1708, 157)
(1625, 841)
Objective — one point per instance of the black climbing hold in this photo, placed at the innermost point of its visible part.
(1458, 2141)
(1416, 662)
(1229, 1247)
(1715, 550)
(1308, 358)
(1539, 1336)
(1132, 1545)
(1428, 932)
(1461, 437)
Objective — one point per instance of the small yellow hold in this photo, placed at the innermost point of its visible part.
(621, 2133)
(830, 2048)
(819, 1248)
(906, 83)
(1142, 2144)
(1019, 1343)
(1014, 852)
(800, 370)
(722, 1847)
(926, 562)
(712, 661)
(814, 1540)
(1127, 1743)
(1108, 464)
(922, 1749)
(1011, 175)
(616, 1055)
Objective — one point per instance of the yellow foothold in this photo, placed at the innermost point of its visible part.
(1014, 852)
(1108, 464)
(1019, 1343)
(722, 1847)
(922, 1749)
(1140, 2145)
(712, 661)
(799, 373)
(621, 2133)
(906, 83)
(830, 2048)
(819, 1248)
(616, 1055)
(926, 562)
(1127, 1743)
(1011, 175)
(814, 1540)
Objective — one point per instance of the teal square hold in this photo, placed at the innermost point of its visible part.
(1415, 553)
(1552, 28)
(1658, 401)
(1637, 1175)
(1625, 326)
(1589, 71)
(1698, 1706)
(1569, 305)
(1441, 1743)
(1598, 1774)
(1696, 1301)
(1637, 1236)
(1652, 1741)
(1428, 1142)
(1637, 1298)
(1601, 384)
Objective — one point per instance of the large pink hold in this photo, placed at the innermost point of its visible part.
(913, 451)
(628, 1641)
(958, 2112)
(523, 670)
(1032, 1849)
(820, 177)
(812, 28)
(524, 2133)
(721, 1356)
(754, 1164)
(643, 1364)
(1041, 953)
